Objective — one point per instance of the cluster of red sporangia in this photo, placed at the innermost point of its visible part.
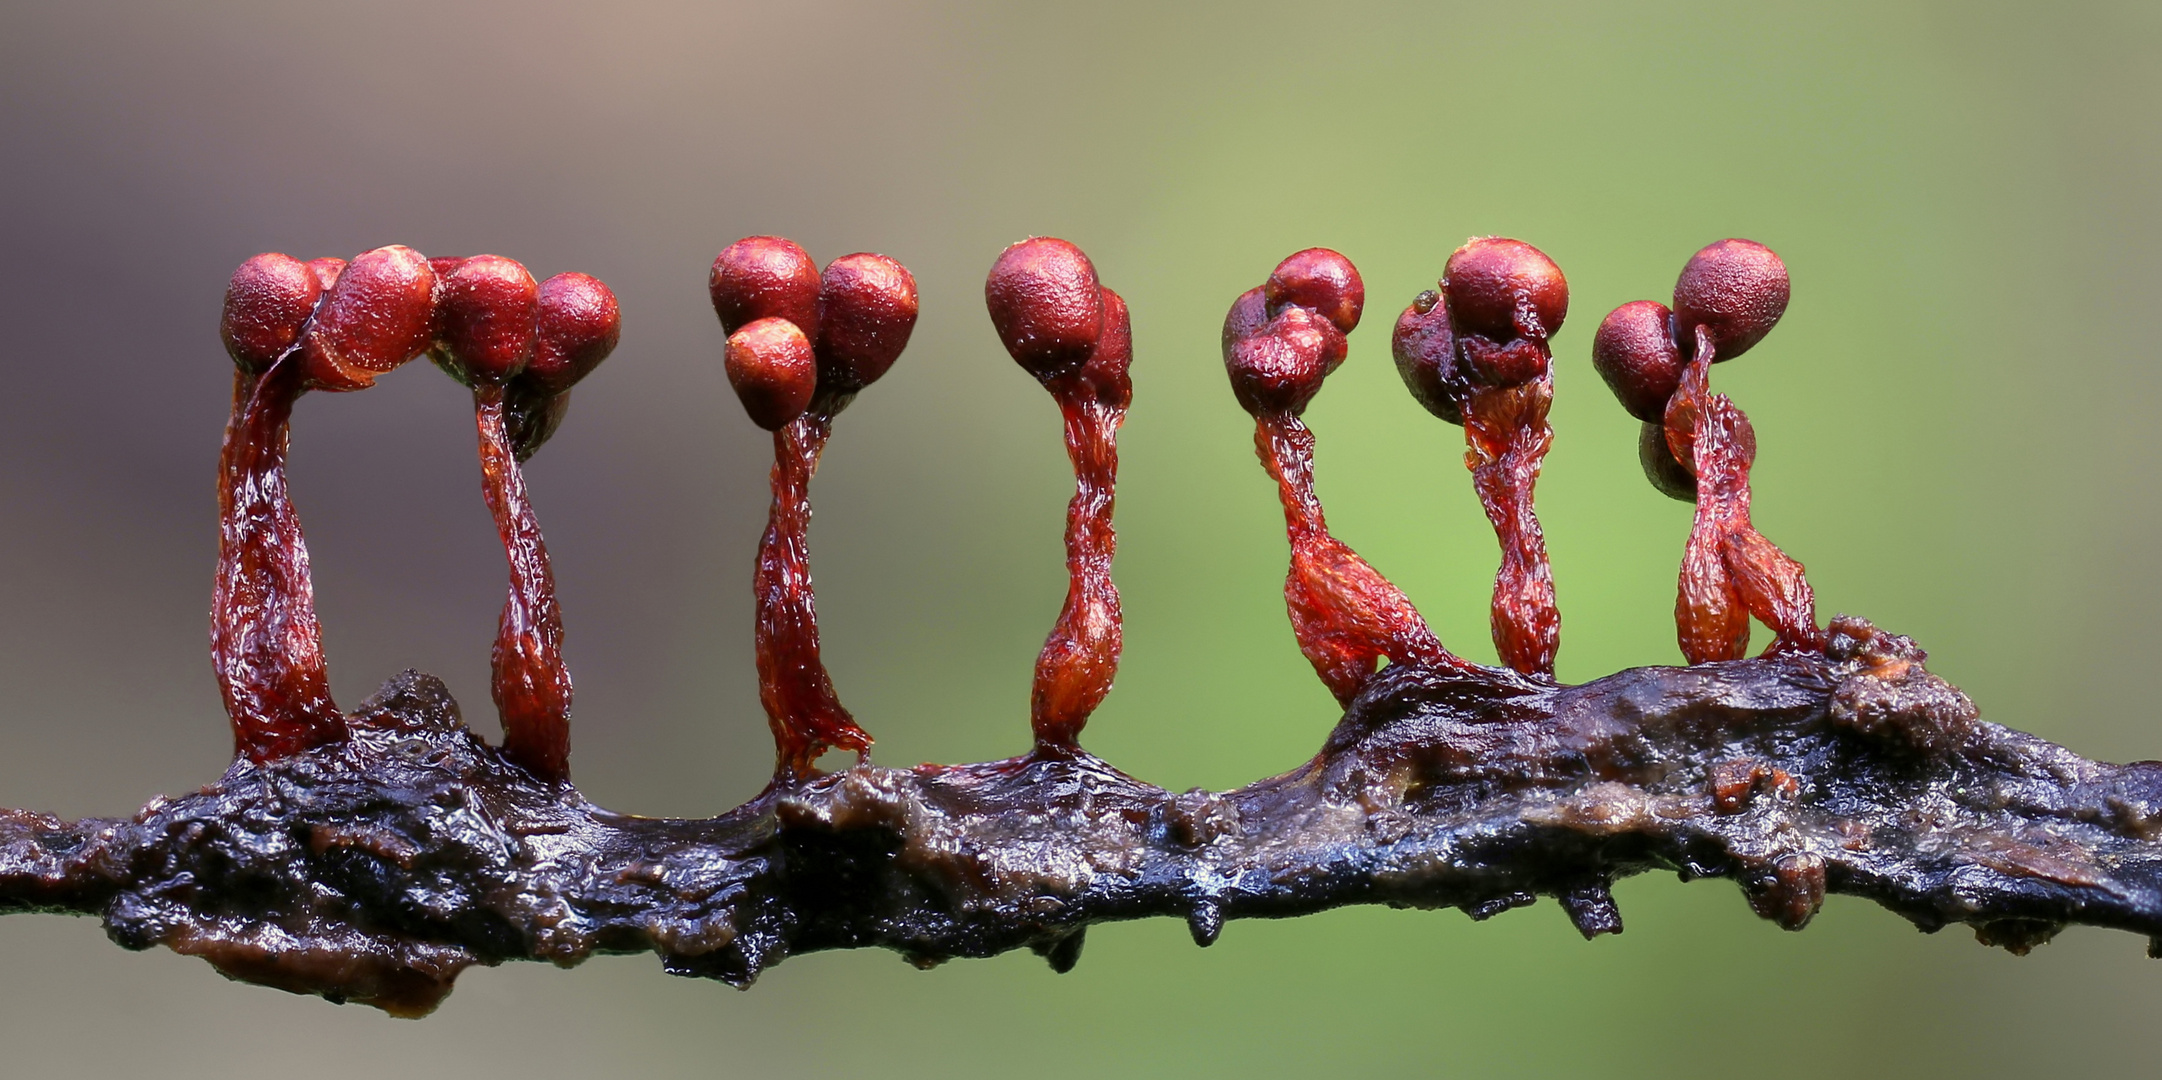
(803, 342)
(329, 324)
(1475, 354)
(801, 345)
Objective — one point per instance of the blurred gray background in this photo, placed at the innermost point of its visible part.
(1956, 422)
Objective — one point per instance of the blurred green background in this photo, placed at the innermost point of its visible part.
(1955, 419)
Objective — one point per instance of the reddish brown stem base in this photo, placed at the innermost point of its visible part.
(1345, 614)
(1729, 570)
(265, 643)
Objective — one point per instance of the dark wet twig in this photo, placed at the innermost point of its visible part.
(376, 869)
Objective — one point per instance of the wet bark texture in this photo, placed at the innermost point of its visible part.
(376, 868)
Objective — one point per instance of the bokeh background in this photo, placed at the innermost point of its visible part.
(1956, 421)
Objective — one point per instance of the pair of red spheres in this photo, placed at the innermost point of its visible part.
(795, 332)
(1282, 339)
(352, 321)
(498, 326)
(1059, 321)
(1729, 295)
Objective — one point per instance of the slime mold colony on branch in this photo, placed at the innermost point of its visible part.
(372, 855)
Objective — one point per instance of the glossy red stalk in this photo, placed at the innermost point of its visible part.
(1506, 436)
(801, 706)
(265, 642)
(527, 676)
(1504, 300)
(1710, 620)
(1081, 657)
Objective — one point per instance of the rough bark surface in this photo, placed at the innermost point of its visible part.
(375, 869)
